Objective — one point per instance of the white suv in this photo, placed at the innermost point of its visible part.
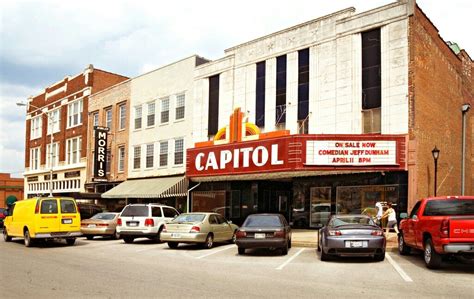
(144, 220)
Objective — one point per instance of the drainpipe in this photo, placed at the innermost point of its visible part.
(465, 108)
(187, 199)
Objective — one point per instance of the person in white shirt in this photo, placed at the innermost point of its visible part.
(392, 218)
(379, 208)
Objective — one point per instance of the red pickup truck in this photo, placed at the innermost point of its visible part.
(439, 226)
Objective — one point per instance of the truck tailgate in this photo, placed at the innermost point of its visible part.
(461, 228)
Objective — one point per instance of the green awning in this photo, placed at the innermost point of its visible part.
(11, 199)
(150, 188)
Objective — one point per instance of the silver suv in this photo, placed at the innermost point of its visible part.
(144, 220)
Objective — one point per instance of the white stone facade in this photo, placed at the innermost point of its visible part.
(335, 84)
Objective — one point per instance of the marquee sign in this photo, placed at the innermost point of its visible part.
(100, 154)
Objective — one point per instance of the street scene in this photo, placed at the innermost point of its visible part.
(206, 150)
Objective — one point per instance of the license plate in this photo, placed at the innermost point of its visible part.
(356, 244)
(259, 236)
(173, 235)
(67, 221)
(91, 225)
(133, 224)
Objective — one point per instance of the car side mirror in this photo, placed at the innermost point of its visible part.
(403, 215)
(414, 217)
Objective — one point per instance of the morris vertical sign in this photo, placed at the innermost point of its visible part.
(100, 155)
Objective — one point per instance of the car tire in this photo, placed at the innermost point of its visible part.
(128, 240)
(70, 241)
(115, 235)
(289, 243)
(89, 237)
(284, 250)
(28, 240)
(379, 257)
(209, 242)
(431, 257)
(403, 248)
(241, 250)
(6, 237)
(324, 256)
(173, 245)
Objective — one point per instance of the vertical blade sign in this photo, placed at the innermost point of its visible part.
(100, 155)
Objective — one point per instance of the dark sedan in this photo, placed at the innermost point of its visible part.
(264, 231)
(351, 235)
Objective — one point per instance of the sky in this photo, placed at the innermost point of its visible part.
(41, 42)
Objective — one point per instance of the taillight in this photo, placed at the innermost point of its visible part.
(334, 233)
(195, 229)
(83, 224)
(37, 207)
(377, 233)
(119, 222)
(279, 234)
(240, 234)
(444, 228)
(149, 222)
(102, 224)
(165, 229)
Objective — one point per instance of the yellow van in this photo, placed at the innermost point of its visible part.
(43, 218)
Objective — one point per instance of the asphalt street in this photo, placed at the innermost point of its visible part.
(112, 269)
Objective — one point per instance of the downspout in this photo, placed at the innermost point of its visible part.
(187, 199)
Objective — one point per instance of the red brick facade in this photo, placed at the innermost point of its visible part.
(10, 187)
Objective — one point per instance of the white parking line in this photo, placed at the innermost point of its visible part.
(290, 259)
(398, 268)
(149, 248)
(216, 251)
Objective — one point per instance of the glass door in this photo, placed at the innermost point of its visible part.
(320, 209)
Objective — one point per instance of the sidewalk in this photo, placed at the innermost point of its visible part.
(309, 238)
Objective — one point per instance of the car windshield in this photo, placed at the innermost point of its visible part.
(462, 207)
(104, 216)
(263, 221)
(340, 221)
(190, 218)
(135, 211)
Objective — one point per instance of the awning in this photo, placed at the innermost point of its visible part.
(150, 188)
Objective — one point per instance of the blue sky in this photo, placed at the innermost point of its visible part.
(41, 42)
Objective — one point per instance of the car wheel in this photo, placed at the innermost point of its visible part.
(70, 241)
(209, 242)
(241, 250)
(173, 245)
(432, 259)
(128, 240)
(324, 256)
(379, 257)
(403, 248)
(89, 237)
(284, 250)
(234, 238)
(6, 237)
(28, 240)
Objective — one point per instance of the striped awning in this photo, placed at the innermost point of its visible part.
(150, 188)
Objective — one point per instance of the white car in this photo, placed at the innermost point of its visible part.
(144, 221)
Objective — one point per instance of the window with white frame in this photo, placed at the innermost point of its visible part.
(74, 114)
(180, 103)
(138, 117)
(36, 127)
(137, 150)
(108, 118)
(165, 110)
(163, 153)
(149, 155)
(53, 121)
(54, 154)
(121, 160)
(73, 150)
(95, 119)
(122, 116)
(150, 120)
(178, 151)
(35, 158)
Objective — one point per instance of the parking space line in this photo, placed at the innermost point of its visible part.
(398, 268)
(216, 251)
(290, 259)
(149, 248)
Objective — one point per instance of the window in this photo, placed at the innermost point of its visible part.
(121, 161)
(138, 117)
(53, 121)
(67, 206)
(165, 110)
(213, 119)
(151, 114)
(73, 150)
(170, 213)
(180, 103)
(213, 219)
(49, 206)
(35, 158)
(74, 113)
(149, 155)
(55, 155)
(178, 151)
(371, 81)
(303, 84)
(260, 95)
(136, 156)
(122, 116)
(280, 113)
(108, 118)
(164, 153)
(452, 207)
(108, 161)
(95, 119)
(415, 209)
(156, 212)
(36, 127)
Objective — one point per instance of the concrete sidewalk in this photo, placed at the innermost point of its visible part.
(309, 238)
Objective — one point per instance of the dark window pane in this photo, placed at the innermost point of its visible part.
(135, 211)
(262, 221)
(213, 122)
(463, 207)
(303, 84)
(371, 69)
(67, 206)
(260, 95)
(49, 206)
(170, 213)
(156, 211)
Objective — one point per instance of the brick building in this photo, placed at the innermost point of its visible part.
(61, 110)
(11, 189)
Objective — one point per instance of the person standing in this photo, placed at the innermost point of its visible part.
(379, 208)
(392, 218)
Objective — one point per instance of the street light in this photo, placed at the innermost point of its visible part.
(435, 153)
(464, 109)
(51, 121)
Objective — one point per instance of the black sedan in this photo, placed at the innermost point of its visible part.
(264, 231)
(351, 235)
